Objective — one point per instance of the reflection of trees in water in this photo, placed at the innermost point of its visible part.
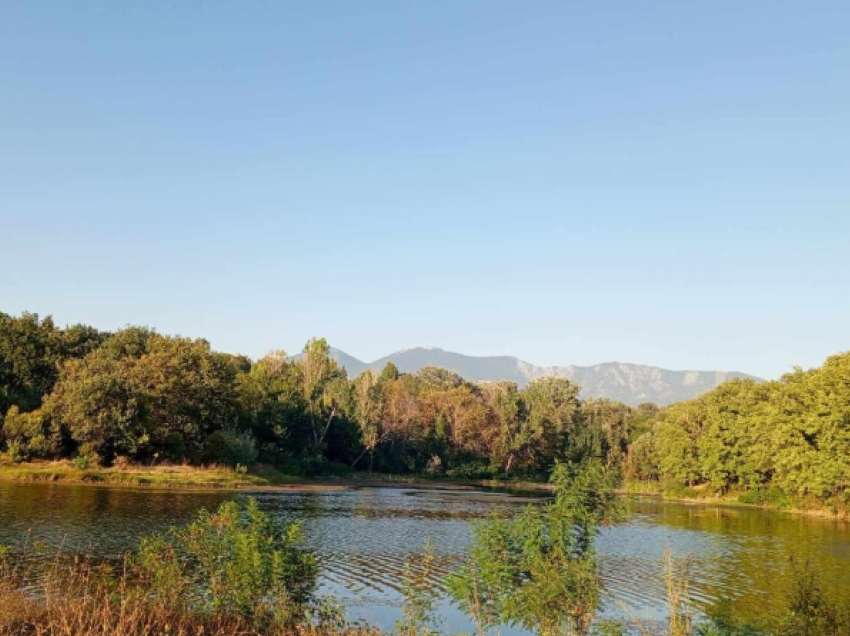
(752, 563)
(364, 537)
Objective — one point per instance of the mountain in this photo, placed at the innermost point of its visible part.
(629, 383)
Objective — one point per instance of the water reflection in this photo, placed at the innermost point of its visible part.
(364, 537)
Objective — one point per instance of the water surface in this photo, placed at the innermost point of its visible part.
(364, 537)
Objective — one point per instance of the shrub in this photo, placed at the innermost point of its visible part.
(121, 461)
(682, 492)
(15, 452)
(289, 465)
(751, 497)
(538, 570)
(470, 470)
(811, 612)
(765, 497)
(236, 561)
(231, 449)
(434, 466)
(82, 462)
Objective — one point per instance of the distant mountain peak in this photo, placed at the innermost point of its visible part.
(624, 381)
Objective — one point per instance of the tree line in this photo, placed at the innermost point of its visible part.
(146, 397)
(785, 442)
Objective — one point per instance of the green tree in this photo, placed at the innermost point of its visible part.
(31, 433)
(189, 392)
(271, 400)
(324, 391)
(538, 571)
(389, 373)
(551, 428)
(369, 406)
(29, 355)
(99, 405)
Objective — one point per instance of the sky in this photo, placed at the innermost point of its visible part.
(663, 183)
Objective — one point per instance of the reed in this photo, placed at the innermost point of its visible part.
(83, 600)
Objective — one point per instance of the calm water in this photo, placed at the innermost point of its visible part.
(364, 537)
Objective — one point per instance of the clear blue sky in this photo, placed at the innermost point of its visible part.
(569, 182)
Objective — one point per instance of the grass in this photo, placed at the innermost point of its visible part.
(258, 477)
(162, 476)
(767, 499)
(76, 601)
(235, 571)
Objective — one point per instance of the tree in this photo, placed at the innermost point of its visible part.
(271, 402)
(551, 429)
(538, 571)
(323, 390)
(606, 429)
(389, 373)
(189, 393)
(433, 378)
(29, 355)
(508, 412)
(101, 407)
(369, 407)
(641, 461)
(455, 418)
(31, 434)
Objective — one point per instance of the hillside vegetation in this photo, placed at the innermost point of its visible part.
(139, 397)
(142, 397)
(785, 442)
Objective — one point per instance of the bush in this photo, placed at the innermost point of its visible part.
(289, 465)
(811, 612)
(683, 492)
(15, 452)
(765, 497)
(236, 561)
(538, 570)
(83, 462)
(231, 449)
(751, 497)
(434, 466)
(470, 470)
(121, 461)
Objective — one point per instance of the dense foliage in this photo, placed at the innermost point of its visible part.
(237, 561)
(141, 396)
(539, 570)
(779, 442)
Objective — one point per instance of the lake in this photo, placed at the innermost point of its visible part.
(364, 537)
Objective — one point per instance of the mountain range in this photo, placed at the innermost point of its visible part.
(629, 383)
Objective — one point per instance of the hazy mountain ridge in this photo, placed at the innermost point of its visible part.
(626, 382)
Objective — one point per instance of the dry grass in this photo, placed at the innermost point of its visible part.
(679, 607)
(164, 476)
(83, 600)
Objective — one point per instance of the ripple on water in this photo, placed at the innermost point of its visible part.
(365, 538)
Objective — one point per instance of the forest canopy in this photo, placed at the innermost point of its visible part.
(141, 396)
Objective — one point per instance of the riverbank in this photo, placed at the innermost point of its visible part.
(705, 497)
(64, 471)
(266, 478)
(259, 478)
